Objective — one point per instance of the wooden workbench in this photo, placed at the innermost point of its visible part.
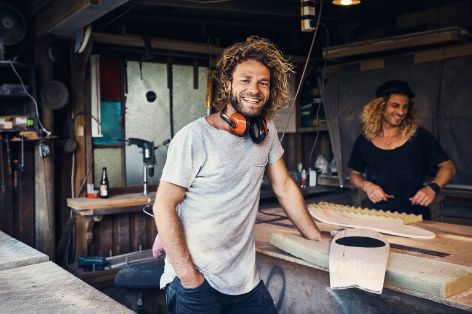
(47, 288)
(30, 283)
(301, 287)
(14, 253)
(112, 226)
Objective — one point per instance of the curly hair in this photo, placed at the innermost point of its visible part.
(265, 52)
(371, 118)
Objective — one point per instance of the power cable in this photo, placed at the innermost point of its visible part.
(46, 131)
(322, 87)
(303, 72)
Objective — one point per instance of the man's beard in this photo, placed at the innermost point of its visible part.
(240, 108)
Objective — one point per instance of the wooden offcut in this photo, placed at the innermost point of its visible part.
(414, 273)
(353, 264)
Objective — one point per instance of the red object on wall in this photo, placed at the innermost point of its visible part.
(111, 80)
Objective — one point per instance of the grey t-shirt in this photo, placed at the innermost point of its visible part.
(222, 174)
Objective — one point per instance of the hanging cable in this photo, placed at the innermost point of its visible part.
(46, 131)
(321, 86)
(304, 70)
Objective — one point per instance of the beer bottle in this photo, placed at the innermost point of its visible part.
(104, 184)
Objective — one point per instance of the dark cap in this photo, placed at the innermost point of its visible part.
(394, 87)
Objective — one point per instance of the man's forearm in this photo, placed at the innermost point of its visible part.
(293, 203)
(173, 240)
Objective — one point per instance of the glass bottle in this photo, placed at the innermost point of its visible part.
(104, 184)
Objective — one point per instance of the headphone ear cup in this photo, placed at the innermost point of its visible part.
(258, 130)
(241, 124)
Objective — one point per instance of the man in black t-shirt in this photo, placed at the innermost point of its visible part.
(396, 154)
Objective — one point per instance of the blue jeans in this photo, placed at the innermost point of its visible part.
(205, 299)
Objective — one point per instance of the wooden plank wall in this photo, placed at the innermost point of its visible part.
(17, 216)
(123, 233)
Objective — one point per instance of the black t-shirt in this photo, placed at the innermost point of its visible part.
(400, 171)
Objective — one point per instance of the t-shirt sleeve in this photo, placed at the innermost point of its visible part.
(183, 158)
(434, 151)
(357, 161)
(276, 149)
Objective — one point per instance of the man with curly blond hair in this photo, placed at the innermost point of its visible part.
(208, 196)
(396, 154)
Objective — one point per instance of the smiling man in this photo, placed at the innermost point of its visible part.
(396, 154)
(208, 196)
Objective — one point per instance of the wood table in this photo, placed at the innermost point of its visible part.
(89, 211)
(14, 253)
(301, 287)
(47, 288)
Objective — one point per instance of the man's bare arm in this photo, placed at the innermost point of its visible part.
(291, 199)
(172, 235)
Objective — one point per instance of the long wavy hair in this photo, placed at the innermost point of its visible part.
(371, 118)
(265, 52)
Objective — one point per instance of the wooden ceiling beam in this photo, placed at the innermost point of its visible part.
(266, 7)
(166, 44)
(156, 43)
(207, 21)
(63, 20)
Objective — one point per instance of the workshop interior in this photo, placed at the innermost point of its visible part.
(93, 92)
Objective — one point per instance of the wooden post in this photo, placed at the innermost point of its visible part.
(44, 166)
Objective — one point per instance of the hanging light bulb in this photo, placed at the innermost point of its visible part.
(346, 2)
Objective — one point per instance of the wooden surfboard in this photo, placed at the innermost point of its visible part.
(358, 258)
(379, 226)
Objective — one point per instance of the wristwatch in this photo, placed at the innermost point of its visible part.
(435, 187)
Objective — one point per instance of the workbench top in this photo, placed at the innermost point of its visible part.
(14, 253)
(453, 240)
(114, 201)
(47, 288)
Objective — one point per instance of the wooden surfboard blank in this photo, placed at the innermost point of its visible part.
(424, 275)
(370, 214)
(379, 226)
(358, 258)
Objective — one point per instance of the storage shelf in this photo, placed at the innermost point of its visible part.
(311, 129)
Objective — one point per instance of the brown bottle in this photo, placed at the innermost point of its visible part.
(104, 184)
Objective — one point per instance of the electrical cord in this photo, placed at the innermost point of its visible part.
(303, 72)
(145, 210)
(46, 131)
(322, 87)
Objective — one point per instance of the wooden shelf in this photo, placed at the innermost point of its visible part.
(322, 127)
(432, 37)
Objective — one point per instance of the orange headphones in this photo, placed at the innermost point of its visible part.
(240, 126)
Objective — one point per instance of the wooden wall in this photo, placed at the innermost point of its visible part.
(118, 234)
(17, 203)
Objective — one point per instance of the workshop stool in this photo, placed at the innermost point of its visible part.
(140, 276)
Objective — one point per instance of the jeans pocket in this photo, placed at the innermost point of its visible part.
(171, 295)
(193, 290)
